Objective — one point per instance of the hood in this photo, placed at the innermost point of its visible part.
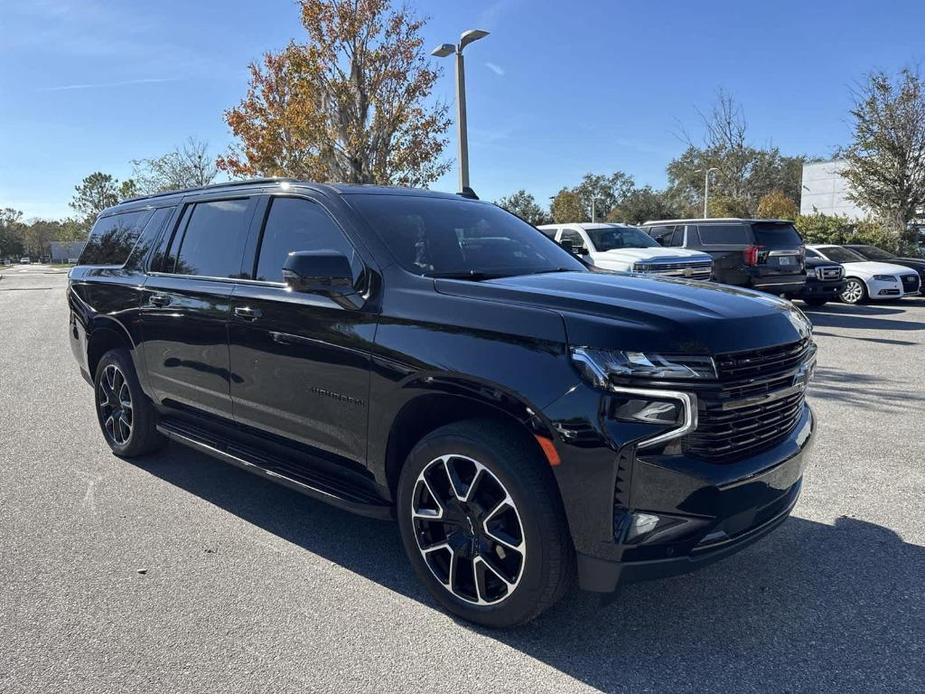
(649, 254)
(820, 262)
(641, 313)
(869, 268)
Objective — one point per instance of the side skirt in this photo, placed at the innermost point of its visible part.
(314, 484)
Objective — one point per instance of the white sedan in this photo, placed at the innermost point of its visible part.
(628, 249)
(865, 279)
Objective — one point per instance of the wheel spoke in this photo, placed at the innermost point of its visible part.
(428, 514)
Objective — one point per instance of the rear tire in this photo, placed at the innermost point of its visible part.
(126, 415)
(854, 291)
(482, 523)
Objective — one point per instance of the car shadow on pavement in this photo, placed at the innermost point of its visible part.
(860, 318)
(864, 390)
(813, 606)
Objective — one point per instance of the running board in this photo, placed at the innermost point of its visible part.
(318, 486)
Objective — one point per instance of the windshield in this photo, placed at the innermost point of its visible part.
(841, 255)
(612, 238)
(874, 253)
(444, 237)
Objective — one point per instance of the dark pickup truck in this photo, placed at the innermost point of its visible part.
(824, 282)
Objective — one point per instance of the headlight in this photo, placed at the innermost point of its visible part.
(638, 267)
(885, 278)
(674, 412)
(812, 272)
(600, 366)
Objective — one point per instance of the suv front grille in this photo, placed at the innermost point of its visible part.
(830, 272)
(693, 269)
(757, 401)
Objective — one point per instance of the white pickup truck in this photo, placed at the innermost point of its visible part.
(628, 249)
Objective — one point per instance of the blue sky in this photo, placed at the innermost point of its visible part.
(557, 90)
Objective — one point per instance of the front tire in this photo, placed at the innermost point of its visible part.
(854, 291)
(482, 523)
(125, 413)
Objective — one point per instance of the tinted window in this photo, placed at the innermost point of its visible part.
(298, 225)
(874, 253)
(662, 235)
(810, 253)
(112, 238)
(213, 243)
(841, 255)
(620, 237)
(776, 235)
(152, 231)
(736, 234)
(444, 236)
(677, 236)
(574, 237)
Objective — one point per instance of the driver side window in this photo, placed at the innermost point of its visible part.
(578, 243)
(296, 224)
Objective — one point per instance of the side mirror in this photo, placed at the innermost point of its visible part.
(319, 272)
(568, 245)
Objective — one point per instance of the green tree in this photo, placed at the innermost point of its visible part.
(644, 204)
(11, 227)
(353, 103)
(567, 207)
(743, 173)
(187, 166)
(98, 191)
(886, 159)
(524, 205)
(776, 205)
(606, 192)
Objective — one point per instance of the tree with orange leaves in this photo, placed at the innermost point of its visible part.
(352, 104)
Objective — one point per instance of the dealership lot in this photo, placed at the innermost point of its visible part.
(178, 573)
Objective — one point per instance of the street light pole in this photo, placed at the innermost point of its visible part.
(463, 147)
(706, 191)
(443, 51)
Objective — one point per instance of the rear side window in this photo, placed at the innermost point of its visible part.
(677, 236)
(298, 225)
(112, 238)
(213, 242)
(776, 235)
(151, 232)
(731, 234)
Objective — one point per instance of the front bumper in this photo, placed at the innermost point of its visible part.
(711, 510)
(816, 289)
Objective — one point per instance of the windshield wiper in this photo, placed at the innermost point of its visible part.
(553, 269)
(473, 275)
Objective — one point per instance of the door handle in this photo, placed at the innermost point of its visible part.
(158, 300)
(247, 313)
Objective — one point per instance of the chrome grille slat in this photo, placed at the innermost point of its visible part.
(724, 434)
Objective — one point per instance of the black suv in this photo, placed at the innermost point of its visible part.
(421, 356)
(763, 254)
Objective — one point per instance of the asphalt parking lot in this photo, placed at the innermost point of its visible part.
(177, 573)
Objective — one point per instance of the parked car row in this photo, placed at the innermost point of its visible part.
(767, 255)
(434, 359)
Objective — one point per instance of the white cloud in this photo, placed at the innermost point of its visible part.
(497, 69)
(103, 85)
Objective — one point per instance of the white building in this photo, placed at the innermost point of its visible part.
(825, 190)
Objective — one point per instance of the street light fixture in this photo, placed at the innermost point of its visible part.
(445, 50)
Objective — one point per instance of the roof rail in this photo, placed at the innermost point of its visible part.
(211, 186)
